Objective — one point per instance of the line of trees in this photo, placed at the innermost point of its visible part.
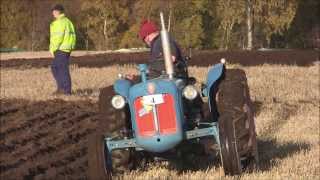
(198, 24)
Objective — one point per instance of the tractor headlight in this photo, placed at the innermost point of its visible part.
(118, 102)
(190, 92)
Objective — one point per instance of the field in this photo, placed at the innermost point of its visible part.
(43, 136)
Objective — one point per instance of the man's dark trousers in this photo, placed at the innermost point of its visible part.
(60, 71)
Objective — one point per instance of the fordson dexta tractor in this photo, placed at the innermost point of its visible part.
(163, 116)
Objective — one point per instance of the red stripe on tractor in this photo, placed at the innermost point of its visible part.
(145, 123)
(167, 115)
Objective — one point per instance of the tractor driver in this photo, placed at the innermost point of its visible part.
(149, 34)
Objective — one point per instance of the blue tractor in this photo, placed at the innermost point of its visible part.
(161, 117)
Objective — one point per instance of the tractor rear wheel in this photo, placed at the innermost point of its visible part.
(238, 145)
(112, 123)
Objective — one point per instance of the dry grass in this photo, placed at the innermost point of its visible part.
(38, 84)
(286, 99)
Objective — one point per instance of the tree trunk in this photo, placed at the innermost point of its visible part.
(229, 33)
(33, 17)
(105, 34)
(169, 21)
(249, 24)
(87, 36)
(222, 43)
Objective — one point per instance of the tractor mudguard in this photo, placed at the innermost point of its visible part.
(214, 74)
(122, 86)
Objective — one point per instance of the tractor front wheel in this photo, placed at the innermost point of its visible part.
(98, 158)
(112, 123)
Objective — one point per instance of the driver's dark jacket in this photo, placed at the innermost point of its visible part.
(156, 61)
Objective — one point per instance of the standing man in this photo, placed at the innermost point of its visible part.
(149, 34)
(62, 42)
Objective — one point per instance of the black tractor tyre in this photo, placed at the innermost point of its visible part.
(97, 158)
(112, 123)
(237, 135)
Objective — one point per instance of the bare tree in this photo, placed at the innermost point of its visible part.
(249, 24)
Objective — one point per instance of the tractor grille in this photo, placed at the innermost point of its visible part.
(155, 114)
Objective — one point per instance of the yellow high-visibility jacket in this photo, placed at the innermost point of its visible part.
(62, 35)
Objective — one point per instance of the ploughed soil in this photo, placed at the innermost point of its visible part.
(199, 58)
(46, 139)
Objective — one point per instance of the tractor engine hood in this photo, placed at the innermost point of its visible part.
(156, 114)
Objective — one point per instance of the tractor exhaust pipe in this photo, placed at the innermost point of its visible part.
(166, 48)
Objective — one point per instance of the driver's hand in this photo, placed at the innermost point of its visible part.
(129, 76)
(173, 58)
